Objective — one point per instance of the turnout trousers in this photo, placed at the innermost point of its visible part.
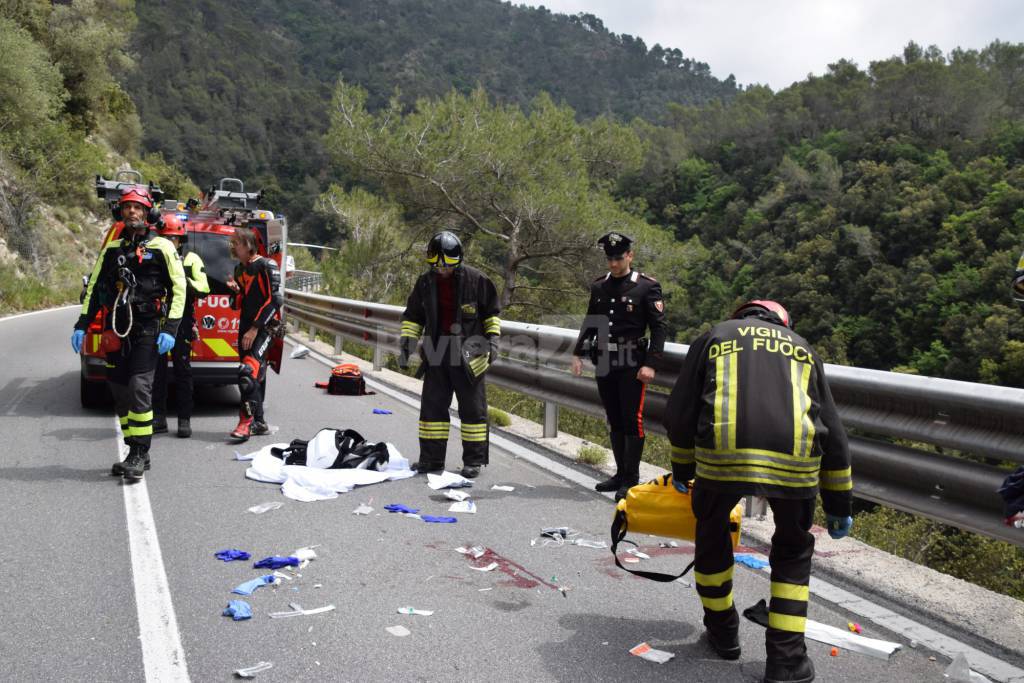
(790, 557)
(622, 395)
(181, 355)
(439, 383)
(130, 373)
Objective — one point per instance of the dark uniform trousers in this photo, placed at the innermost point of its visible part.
(181, 355)
(130, 373)
(443, 378)
(790, 558)
(622, 395)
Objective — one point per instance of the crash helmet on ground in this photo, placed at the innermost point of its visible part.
(444, 250)
(763, 309)
(171, 225)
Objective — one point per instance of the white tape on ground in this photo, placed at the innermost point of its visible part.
(45, 310)
(162, 655)
(929, 638)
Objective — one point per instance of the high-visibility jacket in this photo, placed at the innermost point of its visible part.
(159, 281)
(476, 307)
(752, 413)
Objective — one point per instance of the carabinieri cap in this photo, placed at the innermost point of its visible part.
(615, 243)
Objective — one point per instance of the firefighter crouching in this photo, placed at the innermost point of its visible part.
(140, 281)
(623, 304)
(172, 228)
(455, 308)
(752, 414)
(257, 287)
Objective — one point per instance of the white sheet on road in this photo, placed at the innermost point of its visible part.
(308, 484)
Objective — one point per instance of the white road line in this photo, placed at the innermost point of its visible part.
(981, 662)
(162, 655)
(45, 310)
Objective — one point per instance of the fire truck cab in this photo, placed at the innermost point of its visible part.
(209, 224)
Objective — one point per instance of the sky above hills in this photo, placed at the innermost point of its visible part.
(777, 43)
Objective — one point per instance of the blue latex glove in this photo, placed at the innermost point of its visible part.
(249, 587)
(439, 520)
(381, 411)
(77, 337)
(164, 343)
(276, 562)
(398, 507)
(238, 610)
(231, 554)
(838, 527)
(680, 486)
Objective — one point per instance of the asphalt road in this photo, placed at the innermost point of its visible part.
(71, 612)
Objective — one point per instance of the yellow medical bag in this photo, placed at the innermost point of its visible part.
(657, 508)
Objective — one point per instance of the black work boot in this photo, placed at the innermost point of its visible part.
(135, 464)
(470, 471)
(427, 467)
(801, 672)
(117, 470)
(631, 456)
(725, 646)
(259, 427)
(618, 440)
(184, 427)
(160, 423)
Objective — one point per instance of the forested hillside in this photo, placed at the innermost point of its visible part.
(64, 117)
(241, 87)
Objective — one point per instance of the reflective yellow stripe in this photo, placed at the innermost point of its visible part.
(124, 420)
(474, 439)
(716, 579)
(221, 347)
(734, 384)
(140, 417)
(752, 478)
(95, 343)
(720, 432)
(682, 456)
(492, 325)
(808, 469)
(717, 604)
(785, 622)
(411, 329)
(837, 480)
(141, 431)
(790, 591)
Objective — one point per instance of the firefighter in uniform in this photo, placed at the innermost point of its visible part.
(140, 281)
(623, 304)
(455, 309)
(257, 287)
(752, 414)
(197, 286)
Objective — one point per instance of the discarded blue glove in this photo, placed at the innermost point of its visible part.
(77, 337)
(398, 507)
(680, 486)
(164, 343)
(249, 587)
(231, 554)
(439, 520)
(751, 561)
(381, 411)
(276, 562)
(838, 527)
(238, 610)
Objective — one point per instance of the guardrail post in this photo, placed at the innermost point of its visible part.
(550, 420)
(337, 345)
(312, 332)
(755, 506)
(378, 353)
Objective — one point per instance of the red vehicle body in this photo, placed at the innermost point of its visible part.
(208, 225)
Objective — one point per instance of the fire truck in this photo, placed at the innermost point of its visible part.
(209, 224)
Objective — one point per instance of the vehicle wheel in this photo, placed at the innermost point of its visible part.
(94, 394)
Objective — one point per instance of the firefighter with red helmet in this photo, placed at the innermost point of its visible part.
(257, 287)
(455, 309)
(140, 281)
(752, 414)
(172, 227)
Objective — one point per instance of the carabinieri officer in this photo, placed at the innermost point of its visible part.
(623, 305)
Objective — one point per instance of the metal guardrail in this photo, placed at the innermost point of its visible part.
(305, 281)
(880, 409)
